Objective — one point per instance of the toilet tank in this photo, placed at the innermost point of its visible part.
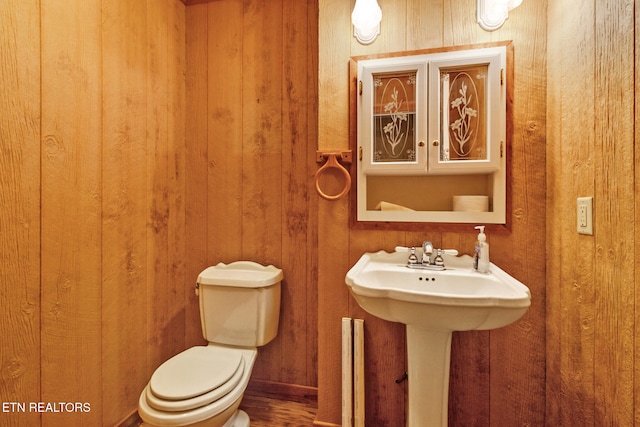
(240, 303)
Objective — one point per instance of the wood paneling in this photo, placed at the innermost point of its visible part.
(71, 240)
(20, 208)
(126, 157)
(93, 203)
(120, 183)
(252, 127)
(197, 170)
(592, 280)
(299, 229)
(497, 377)
(614, 167)
(334, 35)
(261, 147)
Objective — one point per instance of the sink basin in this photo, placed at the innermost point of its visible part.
(433, 304)
(456, 299)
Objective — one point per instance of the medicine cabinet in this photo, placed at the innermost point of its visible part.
(430, 131)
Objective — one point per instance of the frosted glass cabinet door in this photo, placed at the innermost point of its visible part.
(391, 116)
(467, 111)
(430, 126)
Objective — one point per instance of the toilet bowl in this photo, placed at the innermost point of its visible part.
(204, 385)
(179, 393)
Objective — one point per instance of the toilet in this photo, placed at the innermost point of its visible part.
(204, 385)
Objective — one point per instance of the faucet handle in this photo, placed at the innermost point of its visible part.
(438, 260)
(413, 258)
(453, 252)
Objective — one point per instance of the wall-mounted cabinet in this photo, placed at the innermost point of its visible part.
(430, 130)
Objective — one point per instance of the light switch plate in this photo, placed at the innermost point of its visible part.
(585, 215)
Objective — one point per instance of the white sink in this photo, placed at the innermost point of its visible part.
(455, 299)
(433, 304)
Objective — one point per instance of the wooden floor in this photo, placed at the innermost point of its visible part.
(267, 412)
(270, 412)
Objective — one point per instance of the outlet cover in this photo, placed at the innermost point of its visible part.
(585, 215)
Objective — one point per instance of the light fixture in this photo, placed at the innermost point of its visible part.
(366, 19)
(493, 13)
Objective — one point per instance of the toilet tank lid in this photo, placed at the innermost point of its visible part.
(242, 274)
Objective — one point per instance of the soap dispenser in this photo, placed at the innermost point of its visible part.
(481, 257)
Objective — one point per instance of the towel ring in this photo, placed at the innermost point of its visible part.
(332, 162)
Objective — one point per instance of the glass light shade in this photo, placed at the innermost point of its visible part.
(493, 13)
(366, 19)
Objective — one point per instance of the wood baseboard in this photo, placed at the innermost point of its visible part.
(131, 420)
(323, 424)
(283, 391)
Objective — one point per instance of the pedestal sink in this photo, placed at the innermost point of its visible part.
(433, 304)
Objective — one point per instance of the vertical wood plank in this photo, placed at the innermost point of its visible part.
(335, 34)
(180, 286)
(71, 209)
(297, 95)
(262, 130)
(225, 131)
(334, 38)
(460, 26)
(196, 171)
(614, 172)
(470, 372)
(125, 192)
(20, 213)
(426, 32)
(161, 296)
(636, 237)
(311, 283)
(570, 330)
(554, 408)
(333, 303)
(262, 178)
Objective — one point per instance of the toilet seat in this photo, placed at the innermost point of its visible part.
(195, 371)
(214, 361)
(194, 378)
(197, 401)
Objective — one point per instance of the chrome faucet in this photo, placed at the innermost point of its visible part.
(431, 258)
(427, 251)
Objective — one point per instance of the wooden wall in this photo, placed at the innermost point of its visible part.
(20, 207)
(497, 377)
(110, 206)
(92, 189)
(251, 139)
(593, 377)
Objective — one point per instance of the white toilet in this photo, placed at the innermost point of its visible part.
(203, 386)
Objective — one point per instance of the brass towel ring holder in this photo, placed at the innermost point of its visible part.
(332, 162)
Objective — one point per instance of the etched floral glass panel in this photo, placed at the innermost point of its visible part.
(394, 135)
(463, 114)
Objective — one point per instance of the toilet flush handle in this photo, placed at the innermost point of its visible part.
(197, 287)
